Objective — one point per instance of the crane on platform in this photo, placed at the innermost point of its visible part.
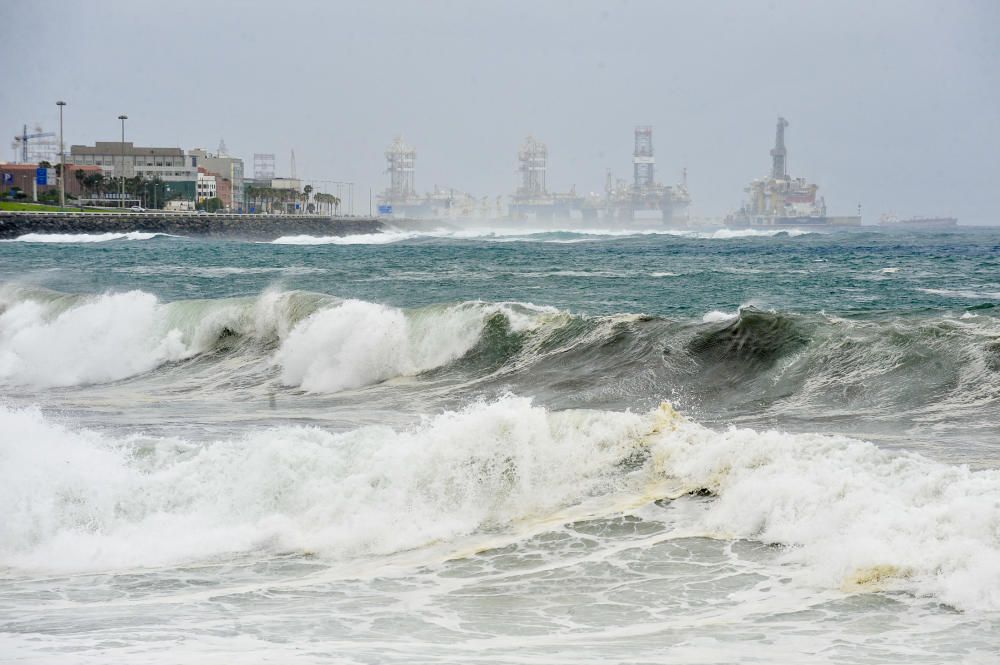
(22, 140)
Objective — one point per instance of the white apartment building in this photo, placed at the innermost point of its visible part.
(230, 168)
(207, 187)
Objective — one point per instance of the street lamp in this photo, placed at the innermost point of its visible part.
(62, 158)
(121, 202)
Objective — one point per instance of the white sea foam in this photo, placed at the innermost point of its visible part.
(859, 517)
(356, 343)
(964, 293)
(889, 271)
(85, 237)
(854, 517)
(47, 340)
(385, 238)
(729, 234)
(325, 344)
(101, 339)
(715, 316)
(76, 500)
(528, 234)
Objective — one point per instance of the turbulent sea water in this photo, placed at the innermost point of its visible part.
(501, 447)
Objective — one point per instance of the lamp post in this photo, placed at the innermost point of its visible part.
(62, 158)
(121, 201)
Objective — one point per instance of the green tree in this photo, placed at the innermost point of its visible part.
(214, 204)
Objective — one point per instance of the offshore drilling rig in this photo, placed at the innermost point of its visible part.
(780, 200)
(532, 200)
(645, 198)
(401, 200)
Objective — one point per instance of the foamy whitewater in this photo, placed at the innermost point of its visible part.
(501, 446)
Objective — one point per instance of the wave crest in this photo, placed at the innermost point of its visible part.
(78, 500)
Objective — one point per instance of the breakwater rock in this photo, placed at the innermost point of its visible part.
(249, 227)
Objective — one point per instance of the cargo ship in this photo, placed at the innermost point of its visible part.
(782, 201)
(916, 223)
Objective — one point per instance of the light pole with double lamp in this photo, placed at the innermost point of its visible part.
(62, 159)
(121, 202)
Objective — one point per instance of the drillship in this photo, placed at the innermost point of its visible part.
(780, 200)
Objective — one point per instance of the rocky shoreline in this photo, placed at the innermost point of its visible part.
(248, 227)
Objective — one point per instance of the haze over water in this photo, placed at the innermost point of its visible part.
(498, 443)
(453, 447)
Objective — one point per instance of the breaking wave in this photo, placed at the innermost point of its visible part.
(748, 362)
(848, 511)
(85, 237)
(384, 238)
(526, 234)
(357, 343)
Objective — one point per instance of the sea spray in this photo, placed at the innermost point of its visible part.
(848, 513)
(80, 500)
(106, 338)
(356, 343)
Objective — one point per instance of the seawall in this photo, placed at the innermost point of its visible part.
(249, 227)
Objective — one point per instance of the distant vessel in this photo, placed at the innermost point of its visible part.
(780, 200)
(919, 222)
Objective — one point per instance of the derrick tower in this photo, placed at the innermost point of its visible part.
(400, 159)
(779, 155)
(643, 162)
(533, 156)
(263, 166)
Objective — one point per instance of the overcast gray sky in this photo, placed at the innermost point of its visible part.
(892, 104)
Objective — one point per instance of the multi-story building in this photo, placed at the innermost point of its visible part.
(208, 188)
(224, 190)
(118, 159)
(229, 168)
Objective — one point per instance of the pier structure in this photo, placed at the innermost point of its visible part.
(14, 224)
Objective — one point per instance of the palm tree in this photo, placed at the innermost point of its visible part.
(307, 190)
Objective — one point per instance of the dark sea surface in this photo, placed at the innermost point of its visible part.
(500, 445)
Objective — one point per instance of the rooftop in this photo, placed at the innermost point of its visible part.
(115, 148)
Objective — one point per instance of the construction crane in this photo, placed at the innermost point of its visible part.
(25, 137)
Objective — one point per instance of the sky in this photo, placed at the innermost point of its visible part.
(892, 104)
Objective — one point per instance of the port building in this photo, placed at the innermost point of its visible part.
(118, 159)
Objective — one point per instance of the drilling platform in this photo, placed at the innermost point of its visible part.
(780, 200)
(400, 199)
(645, 198)
(532, 200)
(643, 201)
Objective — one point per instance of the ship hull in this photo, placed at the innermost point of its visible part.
(787, 222)
(928, 224)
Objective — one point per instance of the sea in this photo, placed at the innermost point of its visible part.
(501, 445)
